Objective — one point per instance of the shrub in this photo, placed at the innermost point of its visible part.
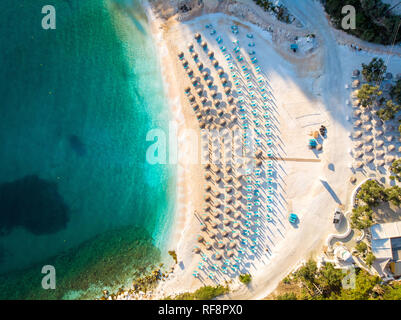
(287, 296)
(368, 95)
(245, 278)
(361, 217)
(371, 193)
(370, 258)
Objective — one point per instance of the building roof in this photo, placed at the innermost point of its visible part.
(381, 249)
(386, 230)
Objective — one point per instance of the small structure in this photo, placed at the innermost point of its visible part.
(294, 47)
(386, 247)
(356, 73)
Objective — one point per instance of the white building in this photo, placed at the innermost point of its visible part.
(386, 246)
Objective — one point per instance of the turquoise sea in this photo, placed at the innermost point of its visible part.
(75, 189)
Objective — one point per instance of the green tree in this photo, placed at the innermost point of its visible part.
(287, 296)
(371, 193)
(395, 169)
(370, 258)
(389, 111)
(245, 278)
(361, 217)
(329, 279)
(394, 195)
(368, 95)
(374, 71)
(361, 247)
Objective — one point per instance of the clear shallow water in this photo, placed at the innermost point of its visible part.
(77, 103)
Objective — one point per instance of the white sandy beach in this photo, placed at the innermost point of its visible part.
(307, 90)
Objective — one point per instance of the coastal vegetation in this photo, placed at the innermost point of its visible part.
(245, 278)
(374, 71)
(369, 95)
(370, 195)
(279, 11)
(374, 21)
(173, 254)
(395, 170)
(203, 293)
(327, 283)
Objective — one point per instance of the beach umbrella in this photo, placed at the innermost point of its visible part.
(369, 159)
(220, 72)
(357, 113)
(259, 162)
(355, 83)
(231, 101)
(356, 73)
(200, 65)
(235, 235)
(239, 207)
(199, 115)
(217, 194)
(215, 214)
(187, 89)
(208, 188)
(379, 133)
(319, 147)
(190, 72)
(229, 179)
(220, 112)
(207, 110)
(204, 44)
(229, 200)
(229, 190)
(369, 139)
(208, 176)
(195, 107)
(202, 125)
(380, 163)
(227, 211)
(358, 154)
(232, 245)
(218, 256)
(237, 215)
(358, 144)
(227, 90)
(358, 164)
(399, 149)
(199, 91)
(225, 233)
(224, 81)
(377, 122)
(391, 148)
(390, 138)
(258, 154)
(210, 54)
(198, 36)
(218, 179)
(369, 149)
(352, 179)
(368, 127)
(214, 225)
(390, 159)
(356, 102)
(207, 166)
(212, 235)
(236, 225)
(196, 250)
(239, 196)
(194, 55)
(180, 54)
(209, 83)
(205, 74)
(230, 253)
(215, 63)
(213, 93)
(190, 46)
(217, 103)
(200, 238)
(366, 118)
(203, 227)
(379, 143)
(194, 82)
(208, 246)
(203, 100)
(357, 123)
(357, 134)
(191, 98)
(226, 222)
(380, 153)
(184, 62)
